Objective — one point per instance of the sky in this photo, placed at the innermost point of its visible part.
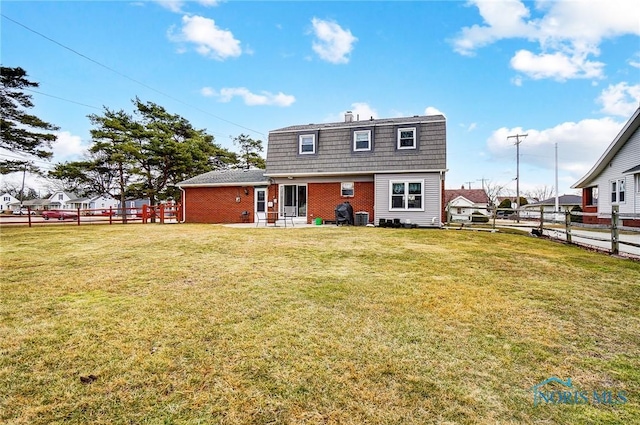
(565, 73)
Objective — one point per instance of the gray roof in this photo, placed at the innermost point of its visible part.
(334, 153)
(376, 122)
(562, 200)
(632, 170)
(227, 178)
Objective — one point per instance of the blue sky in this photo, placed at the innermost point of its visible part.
(565, 72)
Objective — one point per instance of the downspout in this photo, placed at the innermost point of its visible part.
(184, 201)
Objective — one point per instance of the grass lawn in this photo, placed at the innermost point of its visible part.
(199, 324)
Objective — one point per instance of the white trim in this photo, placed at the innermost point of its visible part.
(265, 183)
(313, 143)
(354, 124)
(352, 189)
(405, 195)
(350, 173)
(355, 139)
(415, 137)
(255, 201)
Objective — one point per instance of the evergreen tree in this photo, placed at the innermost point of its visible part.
(19, 131)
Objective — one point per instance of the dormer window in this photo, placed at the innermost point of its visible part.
(407, 138)
(361, 140)
(306, 144)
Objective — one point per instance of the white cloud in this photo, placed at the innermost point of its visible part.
(176, 6)
(210, 41)
(333, 44)
(67, 147)
(620, 99)
(430, 110)
(207, 92)
(250, 99)
(568, 33)
(580, 144)
(556, 65)
(472, 127)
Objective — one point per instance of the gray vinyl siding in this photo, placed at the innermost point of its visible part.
(432, 199)
(627, 157)
(334, 148)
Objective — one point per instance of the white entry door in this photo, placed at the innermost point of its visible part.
(260, 207)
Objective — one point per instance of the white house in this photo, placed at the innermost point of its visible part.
(614, 180)
(61, 200)
(5, 202)
(462, 203)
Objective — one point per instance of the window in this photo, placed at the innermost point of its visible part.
(307, 144)
(407, 138)
(60, 197)
(617, 191)
(638, 183)
(6, 198)
(362, 140)
(406, 196)
(346, 189)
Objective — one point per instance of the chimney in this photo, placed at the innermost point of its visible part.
(348, 116)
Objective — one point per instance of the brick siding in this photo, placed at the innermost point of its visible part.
(217, 205)
(324, 197)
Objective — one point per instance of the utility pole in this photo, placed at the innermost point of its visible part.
(557, 200)
(518, 141)
(469, 183)
(482, 180)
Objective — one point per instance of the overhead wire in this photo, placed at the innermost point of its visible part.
(127, 77)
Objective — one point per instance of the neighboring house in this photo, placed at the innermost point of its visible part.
(389, 168)
(35, 204)
(134, 206)
(462, 203)
(102, 202)
(615, 179)
(548, 206)
(8, 203)
(61, 200)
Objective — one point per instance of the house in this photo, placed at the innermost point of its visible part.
(387, 168)
(8, 202)
(96, 202)
(548, 206)
(461, 203)
(61, 200)
(614, 180)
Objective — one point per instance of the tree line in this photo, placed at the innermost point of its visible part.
(141, 154)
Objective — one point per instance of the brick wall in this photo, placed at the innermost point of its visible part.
(324, 197)
(217, 204)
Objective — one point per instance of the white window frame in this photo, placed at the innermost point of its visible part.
(406, 195)
(616, 188)
(313, 143)
(355, 138)
(637, 183)
(344, 186)
(415, 132)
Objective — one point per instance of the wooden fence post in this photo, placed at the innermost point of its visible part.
(28, 214)
(541, 220)
(615, 235)
(567, 224)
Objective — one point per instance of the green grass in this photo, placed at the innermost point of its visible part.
(199, 324)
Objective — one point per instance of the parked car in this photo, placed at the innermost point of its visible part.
(23, 211)
(59, 214)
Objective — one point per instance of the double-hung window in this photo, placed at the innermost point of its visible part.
(617, 191)
(361, 140)
(408, 195)
(306, 144)
(346, 189)
(407, 138)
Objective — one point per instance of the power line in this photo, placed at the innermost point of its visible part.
(62, 98)
(126, 76)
